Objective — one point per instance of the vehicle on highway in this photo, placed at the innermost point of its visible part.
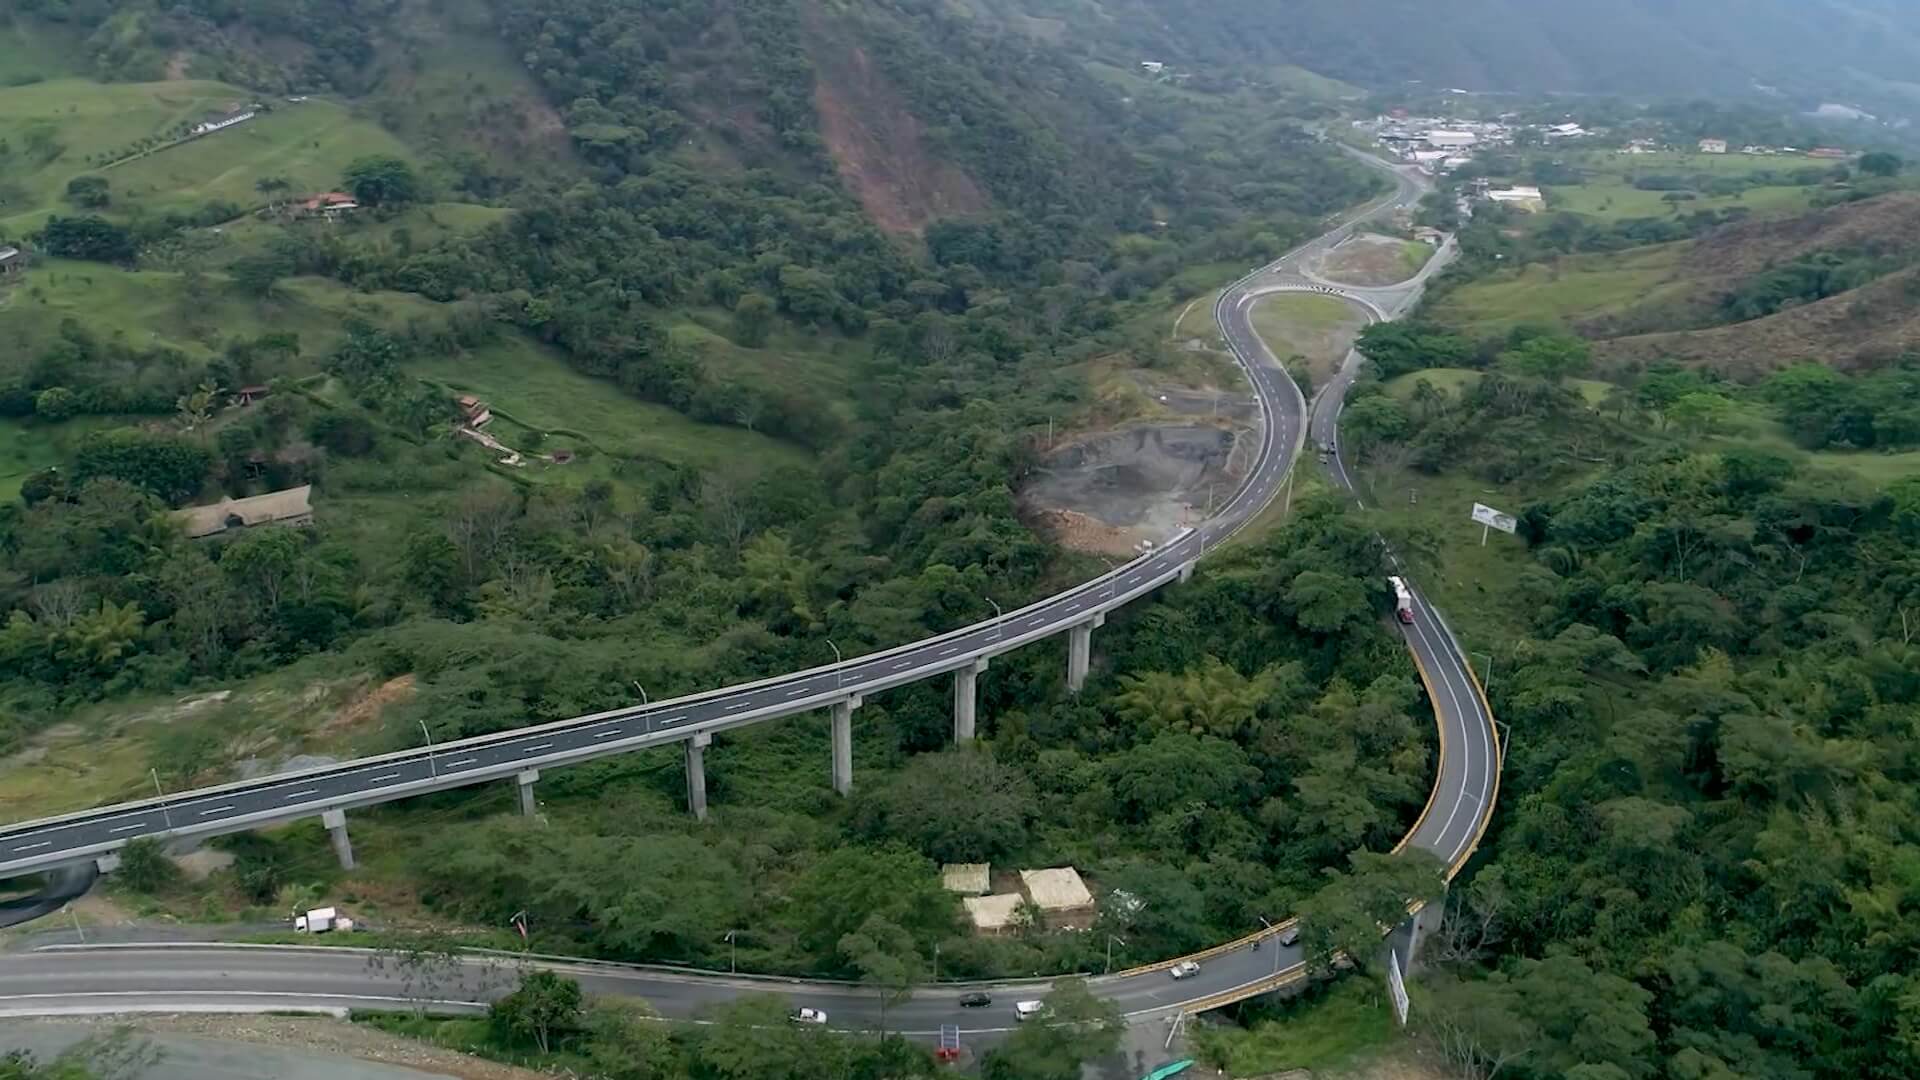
(1185, 969)
(808, 1016)
(1024, 1009)
(975, 1000)
(1290, 936)
(1402, 600)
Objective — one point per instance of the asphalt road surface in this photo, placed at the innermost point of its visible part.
(151, 977)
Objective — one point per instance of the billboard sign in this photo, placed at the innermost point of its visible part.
(1397, 986)
(1494, 519)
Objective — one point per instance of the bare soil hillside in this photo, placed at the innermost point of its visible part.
(876, 141)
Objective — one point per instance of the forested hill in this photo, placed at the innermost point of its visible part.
(1807, 49)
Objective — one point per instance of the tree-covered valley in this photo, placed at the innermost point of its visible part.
(778, 305)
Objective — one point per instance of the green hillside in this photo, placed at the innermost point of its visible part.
(75, 127)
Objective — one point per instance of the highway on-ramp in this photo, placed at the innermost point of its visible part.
(171, 977)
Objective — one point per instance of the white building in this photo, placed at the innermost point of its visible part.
(1520, 198)
(220, 123)
(1154, 67)
(1451, 140)
(1564, 131)
(1713, 146)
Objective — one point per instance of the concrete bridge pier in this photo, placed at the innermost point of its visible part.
(966, 698)
(1080, 651)
(697, 774)
(1186, 572)
(336, 823)
(843, 743)
(524, 780)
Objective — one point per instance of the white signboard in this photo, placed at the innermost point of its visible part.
(1397, 986)
(1488, 516)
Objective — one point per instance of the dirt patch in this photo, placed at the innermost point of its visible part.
(1078, 532)
(876, 144)
(1139, 483)
(1369, 260)
(364, 709)
(204, 863)
(177, 65)
(318, 1035)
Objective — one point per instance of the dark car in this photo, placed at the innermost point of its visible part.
(975, 1000)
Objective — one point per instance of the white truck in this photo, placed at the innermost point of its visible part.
(321, 920)
(1402, 600)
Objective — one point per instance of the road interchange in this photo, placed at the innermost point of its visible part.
(175, 977)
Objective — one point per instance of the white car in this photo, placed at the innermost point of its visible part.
(1024, 1009)
(808, 1016)
(1185, 969)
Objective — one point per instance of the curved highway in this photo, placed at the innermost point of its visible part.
(137, 977)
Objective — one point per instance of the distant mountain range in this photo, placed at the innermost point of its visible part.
(1805, 51)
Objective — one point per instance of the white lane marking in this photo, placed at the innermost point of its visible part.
(130, 828)
(797, 693)
(1036, 620)
(538, 746)
(303, 794)
(732, 705)
(217, 810)
(383, 777)
(672, 720)
(33, 847)
(903, 665)
(949, 650)
(1446, 826)
(607, 734)
(462, 761)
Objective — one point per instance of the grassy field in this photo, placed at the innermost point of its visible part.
(1565, 291)
(1609, 194)
(792, 359)
(1320, 328)
(1613, 200)
(158, 307)
(1458, 380)
(28, 446)
(309, 143)
(426, 224)
(55, 126)
(536, 388)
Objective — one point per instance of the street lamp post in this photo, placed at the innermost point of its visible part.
(997, 616)
(936, 961)
(165, 814)
(1110, 940)
(644, 700)
(432, 768)
(839, 675)
(733, 952)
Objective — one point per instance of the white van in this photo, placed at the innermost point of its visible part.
(1024, 1009)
